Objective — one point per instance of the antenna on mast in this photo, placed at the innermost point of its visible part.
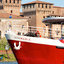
(37, 0)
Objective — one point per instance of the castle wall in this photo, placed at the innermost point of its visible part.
(12, 7)
(14, 25)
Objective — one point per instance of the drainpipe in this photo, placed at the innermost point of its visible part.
(61, 28)
(50, 30)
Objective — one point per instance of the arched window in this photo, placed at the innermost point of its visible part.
(14, 1)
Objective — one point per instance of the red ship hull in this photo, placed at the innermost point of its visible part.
(36, 50)
(31, 53)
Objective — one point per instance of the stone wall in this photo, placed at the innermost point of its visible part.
(13, 24)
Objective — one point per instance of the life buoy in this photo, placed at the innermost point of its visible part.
(38, 34)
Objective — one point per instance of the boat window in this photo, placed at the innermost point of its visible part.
(32, 34)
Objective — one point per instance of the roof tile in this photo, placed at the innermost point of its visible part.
(35, 2)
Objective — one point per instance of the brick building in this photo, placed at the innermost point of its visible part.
(38, 10)
(10, 6)
(15, 24)
(10, 17)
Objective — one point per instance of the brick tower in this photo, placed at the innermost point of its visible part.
(11, 6)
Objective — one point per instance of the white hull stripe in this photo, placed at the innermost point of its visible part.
(36, 40)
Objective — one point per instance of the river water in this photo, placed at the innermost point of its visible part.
(8, 63)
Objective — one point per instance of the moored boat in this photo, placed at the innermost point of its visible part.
(33, 49)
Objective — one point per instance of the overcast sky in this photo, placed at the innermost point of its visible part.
(55, 2)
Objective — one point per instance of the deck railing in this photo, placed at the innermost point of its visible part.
(45, 32)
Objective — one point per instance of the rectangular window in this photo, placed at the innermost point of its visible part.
(18, 1)
(49, 6)
(1, 1)
(33, 5)
(39, 5)
(11, 11)
(24, 7)
(46, 5)
(42, 5)
(14, 1)
(27, 6)
(52, 12)
(10, 1)
(1, 7)
(6, 1)
(30, 6)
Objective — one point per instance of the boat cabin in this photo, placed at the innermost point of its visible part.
(55, 27)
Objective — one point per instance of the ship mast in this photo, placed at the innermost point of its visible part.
(37, 0)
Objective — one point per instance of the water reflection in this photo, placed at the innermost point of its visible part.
(8, 63)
